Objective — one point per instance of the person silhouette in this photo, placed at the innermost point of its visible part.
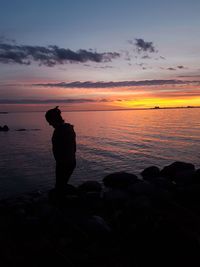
(63, 146)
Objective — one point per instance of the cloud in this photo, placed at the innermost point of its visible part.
(89, 84)
(171, 69)
(180, 67)
(50, 55)
(189, 76)
(143, 46)
(176, 68)
(52, 101)
(146, 57)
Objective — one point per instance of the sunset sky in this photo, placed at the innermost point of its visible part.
(92, 54)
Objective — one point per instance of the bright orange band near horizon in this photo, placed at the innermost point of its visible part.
(161, 102)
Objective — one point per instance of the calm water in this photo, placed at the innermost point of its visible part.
(106, 142)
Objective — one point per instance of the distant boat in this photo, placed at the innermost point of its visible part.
(156, 107)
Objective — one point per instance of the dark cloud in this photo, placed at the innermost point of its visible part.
(50, 55)
(181, 67)
(146, 57)
(52, 101)
(171, 69)
(112, 84)
(177, 67)
(189, 76)
(104, 67)
(4, 38)
(143, 46)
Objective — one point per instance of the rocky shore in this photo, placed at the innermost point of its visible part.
(154, 221)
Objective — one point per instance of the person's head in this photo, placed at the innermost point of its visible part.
(53, 116)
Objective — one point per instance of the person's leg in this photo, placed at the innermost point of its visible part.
(63, 174)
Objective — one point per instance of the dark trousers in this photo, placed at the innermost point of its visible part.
(63, 173)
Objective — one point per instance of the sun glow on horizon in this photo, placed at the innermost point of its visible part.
(158, 102)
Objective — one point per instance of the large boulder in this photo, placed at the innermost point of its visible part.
(142, 188)
(196, 177)
(4, 128)
(90, 186)
(184, 177)
(173, 169)
(95, 227)
(120, 180)
(150, 173)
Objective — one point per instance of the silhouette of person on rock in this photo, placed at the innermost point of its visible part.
(64, 148)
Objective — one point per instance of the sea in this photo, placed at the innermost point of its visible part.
(107, 142)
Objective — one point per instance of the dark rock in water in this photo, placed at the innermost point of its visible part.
(196, 177)
(95, 227)
(90, 186)
(189, 196)
(178, 166)
(55, 196)
(163, 183)
(141, 188)
(184, 177)
(4, 128)
(120, 180)
(70, 189)
(21, 130)
(116, 197)
(150, 173)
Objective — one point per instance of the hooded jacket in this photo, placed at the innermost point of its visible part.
(64, 143)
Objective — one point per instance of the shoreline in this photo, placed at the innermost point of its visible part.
(115, 223)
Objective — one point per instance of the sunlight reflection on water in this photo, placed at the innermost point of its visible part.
(106, 142)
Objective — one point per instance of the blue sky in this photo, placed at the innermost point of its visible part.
(171, 28)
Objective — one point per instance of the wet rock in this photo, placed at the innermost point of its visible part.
(55, 196)
(70, 189)
(164, 183)
(4, 128)
(141, 188)
(21, 130)
(120, 180)
(90, 186)
(115, 200)
(184, 177)
(150, 173)
(196, 177)
(176, 167)
(115, 194)
(95, 227)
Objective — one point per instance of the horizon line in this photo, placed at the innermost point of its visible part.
(96, 110)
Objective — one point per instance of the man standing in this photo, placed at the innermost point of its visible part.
(64, 147)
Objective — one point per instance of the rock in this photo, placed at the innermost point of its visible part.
(116, 195)
(57, 197)
(90, 186)
(196, 177)
(171, 170)
(95, 227)
(141, 188)
(4, 128)
(120, 180)
(163, 183)
(184, 177)
(150, 173)
(21, 130)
